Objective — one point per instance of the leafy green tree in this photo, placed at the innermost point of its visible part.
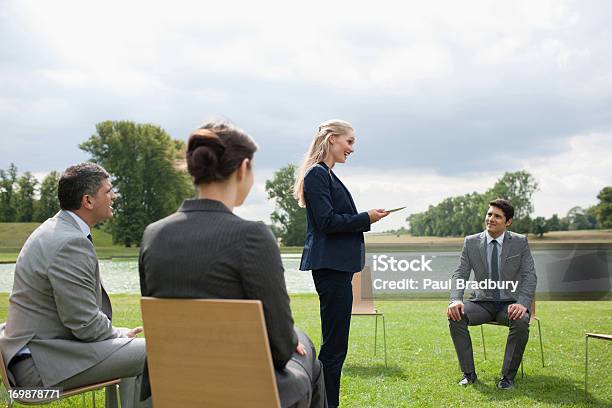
(8, 180)
(553, 223)
(141, 159)
(591, 215)
(579, 219)
(461, 215)
(48, 204)
(539, 226)
(521, 225)
(603, 210)
(564, 224)
(288, 218)
(24, 197)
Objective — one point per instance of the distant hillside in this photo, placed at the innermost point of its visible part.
(14, 234)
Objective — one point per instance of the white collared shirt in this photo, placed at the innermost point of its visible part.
(82, 224)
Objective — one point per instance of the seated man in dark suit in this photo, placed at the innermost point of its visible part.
(204, 251)
(502, 258)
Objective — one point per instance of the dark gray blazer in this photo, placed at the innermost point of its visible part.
(516, 265)
(205, 251)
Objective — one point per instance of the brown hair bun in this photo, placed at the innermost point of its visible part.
(216, 150)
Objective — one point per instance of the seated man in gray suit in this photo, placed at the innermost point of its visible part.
(502, 260)
(58, 331)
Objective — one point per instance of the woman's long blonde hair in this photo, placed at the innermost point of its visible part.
(318, 152)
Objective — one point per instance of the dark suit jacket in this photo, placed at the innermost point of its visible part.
(205, 251)
(334, 235)
(516, 265)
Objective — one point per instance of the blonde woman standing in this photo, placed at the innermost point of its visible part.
(334, 249)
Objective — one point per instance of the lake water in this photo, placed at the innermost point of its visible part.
(559, 271)
(121, 276)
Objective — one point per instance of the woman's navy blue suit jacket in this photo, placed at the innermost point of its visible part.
(334, 235)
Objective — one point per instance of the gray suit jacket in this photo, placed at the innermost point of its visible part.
(205, 251)
(56, 304)
(516, 265)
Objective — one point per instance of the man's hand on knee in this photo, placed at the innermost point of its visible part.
(300, 349)
(455, 310)
(516, 311)
(134, 332)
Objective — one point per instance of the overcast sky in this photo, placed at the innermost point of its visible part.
(444, 96)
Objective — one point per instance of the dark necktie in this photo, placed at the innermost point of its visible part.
(495, 269)
(107, 308)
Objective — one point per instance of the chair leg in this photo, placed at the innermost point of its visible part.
(119, 403)
(522, 372)
(384, 339)
(484, 348)
(586, 365)
(375, 332)
(541, 346)
(83, 400)
(93, 399)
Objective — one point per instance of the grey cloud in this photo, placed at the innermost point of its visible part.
(477, 118)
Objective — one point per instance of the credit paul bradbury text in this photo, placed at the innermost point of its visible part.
(390, 274)
(431, 284)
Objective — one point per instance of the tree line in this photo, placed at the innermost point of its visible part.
(24, 199)
(464, 215)
(454, 216)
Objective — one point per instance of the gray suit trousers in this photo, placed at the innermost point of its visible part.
(126, 363)
(303, 375)
(477, 313)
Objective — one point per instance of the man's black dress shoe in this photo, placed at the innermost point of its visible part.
(505, 384)
(468, 378)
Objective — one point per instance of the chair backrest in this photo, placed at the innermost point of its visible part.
(532, 311)
(212, 353)
(363, 302)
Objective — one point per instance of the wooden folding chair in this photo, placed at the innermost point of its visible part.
(208, 353)
(363, 304)
(65, 394)
(532, 317)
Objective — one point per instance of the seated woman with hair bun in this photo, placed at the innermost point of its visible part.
(193, 253)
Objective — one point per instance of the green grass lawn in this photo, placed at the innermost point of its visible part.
(423, 368)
